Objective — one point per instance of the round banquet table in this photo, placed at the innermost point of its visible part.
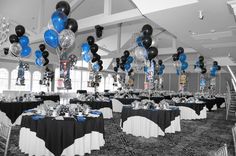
(190, 111)
(11, 112)
(118, 103)
(67, 137)
(103, 106)
(149, 123)
(54, 98)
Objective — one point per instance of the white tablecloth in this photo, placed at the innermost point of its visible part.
(30, 144)
(141, 126)
(189, 114)
(116, 105)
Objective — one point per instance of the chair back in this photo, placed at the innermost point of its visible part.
(234, 137)
(5, 131)
(222, 151)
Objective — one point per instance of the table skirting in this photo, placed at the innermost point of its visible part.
(118, 103)
(187, 113)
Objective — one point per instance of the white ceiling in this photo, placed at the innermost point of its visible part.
(214, 36)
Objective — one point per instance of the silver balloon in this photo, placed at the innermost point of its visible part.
(66, 38)
(140, 53)
(15, 49)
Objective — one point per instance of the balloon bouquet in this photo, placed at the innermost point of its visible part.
(146, 53)
(41, 56)
(181, 66)
(61, 37)
(19, 48)
(213, 73)
(201, 65)
(89, 55)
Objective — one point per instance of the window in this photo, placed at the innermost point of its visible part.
(36, 87)
(4, 79)
(109, 83)
(75, 76)
(27, 76)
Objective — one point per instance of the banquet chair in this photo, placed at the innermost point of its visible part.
(222, 151)
(234, 137)
(5, 131)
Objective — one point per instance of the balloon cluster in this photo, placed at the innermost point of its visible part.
(117, 65)
(161, 68)
(93, 56)
(181, 57)
(19, 43)
(64, 34)
(144, 42)
(41, 56)
(200, 64)
(126, 61)
(215, 67)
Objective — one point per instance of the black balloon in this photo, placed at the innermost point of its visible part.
(175, 57)
(180, 50)
(147, 30)
(201, 58)
(42, 47)
(218, 67)
(201, 64)
(147, 41)
(6, 51)
(204, 70)
(100, 62)
(13, 38)
(152, 53)
(64, 7)
(72, 24)
(46, 61)
(20, 30)
(117, 60)
(96, 57)
(160, 62)
(123, 59)
(90, 40)
(126, 53)
(101, 68)
(94, 48)
(215, 63)
(115, 69)
(122, 67)
(45, 54)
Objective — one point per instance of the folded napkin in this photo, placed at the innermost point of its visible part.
(81, 118)
(59, 118)
(37, 117)
(96, 112)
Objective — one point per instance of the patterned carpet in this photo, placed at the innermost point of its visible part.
(197, 138)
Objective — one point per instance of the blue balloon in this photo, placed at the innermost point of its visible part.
(96, 67)
(182, 57)
(139, 41)
(130, 59)
(127, 66)
(85, 48)
(213, 73)
(86, 57)
(51, 38)
(162, 67)
(38, 54)
(59, 20)
(160, 72)
(39, 62)
(25, 51)
(184, 65)
(145, 69)
(24, 41)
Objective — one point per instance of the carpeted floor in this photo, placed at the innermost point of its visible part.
(197, 138)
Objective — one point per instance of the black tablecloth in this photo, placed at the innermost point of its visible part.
(209, 102)
(125, 101)
(219, 101)
(162, 118)
(54, 98)
(197, 107)
(93, 104)
(14, 109)
(155, 99)
(60, 134)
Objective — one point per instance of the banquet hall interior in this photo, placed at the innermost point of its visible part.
(118, 78)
